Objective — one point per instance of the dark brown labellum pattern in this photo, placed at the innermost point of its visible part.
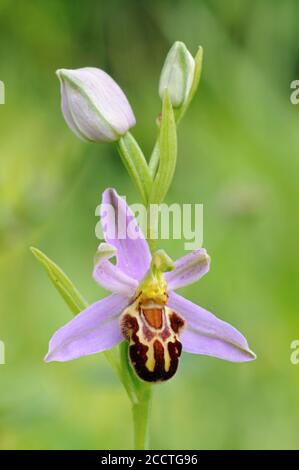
(153, 335)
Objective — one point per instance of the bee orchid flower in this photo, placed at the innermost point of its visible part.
(143, 308)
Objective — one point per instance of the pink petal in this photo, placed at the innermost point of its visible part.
(188, 269)
(207, 334)
(110, 276)
(93, 330)
(122, 231)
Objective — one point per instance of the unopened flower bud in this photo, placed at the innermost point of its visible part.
(94, 106)
(177, 74)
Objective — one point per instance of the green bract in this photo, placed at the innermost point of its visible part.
(167, 151)
(135, 164)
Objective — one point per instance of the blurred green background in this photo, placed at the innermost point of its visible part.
(238, 155)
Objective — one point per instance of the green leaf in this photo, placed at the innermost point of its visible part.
(168, 152)
(63, 284)
(135, 164)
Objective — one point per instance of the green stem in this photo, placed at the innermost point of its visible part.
(152, 221)
(140, 394)
(141, 413)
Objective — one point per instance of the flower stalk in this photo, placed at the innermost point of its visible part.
(141, 419)
(140, 394)
(139, 325)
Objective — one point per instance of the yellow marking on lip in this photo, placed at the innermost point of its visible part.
(167, 358)
(150, 363)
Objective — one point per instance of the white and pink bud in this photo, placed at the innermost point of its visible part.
(94, 106)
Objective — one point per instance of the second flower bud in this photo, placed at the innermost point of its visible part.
(177, 74)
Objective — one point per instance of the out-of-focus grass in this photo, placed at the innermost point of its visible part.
(238, 156)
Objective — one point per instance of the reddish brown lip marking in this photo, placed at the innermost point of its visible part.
(153, 336)
(153, 317)
(176, 322)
